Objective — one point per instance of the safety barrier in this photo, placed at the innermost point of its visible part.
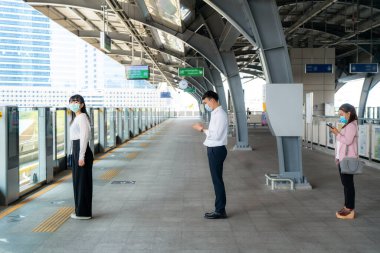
(317, 134)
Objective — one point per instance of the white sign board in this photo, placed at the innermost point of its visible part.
(363, 140)
(309, 107)
(376, 142)
(284, 108)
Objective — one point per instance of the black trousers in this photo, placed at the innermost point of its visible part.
(82, 181)
(349, 189)
(216, 157)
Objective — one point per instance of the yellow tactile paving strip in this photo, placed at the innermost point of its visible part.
(132, 155)
(14, 207)
(109, 174)
(144, 145)
(55, 221)
(36, 195)
(99, 158)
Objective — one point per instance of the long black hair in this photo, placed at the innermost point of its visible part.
(80, 99)
(348, 108)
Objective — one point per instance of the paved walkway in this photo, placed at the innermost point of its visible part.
(163, 210)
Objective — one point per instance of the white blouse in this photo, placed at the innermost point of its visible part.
(80, 129)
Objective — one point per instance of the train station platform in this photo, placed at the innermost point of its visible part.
(150, 195)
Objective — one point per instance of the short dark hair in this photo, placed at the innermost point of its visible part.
(349, 108)
(210, 94)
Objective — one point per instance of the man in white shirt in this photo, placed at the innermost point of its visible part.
(216, 141)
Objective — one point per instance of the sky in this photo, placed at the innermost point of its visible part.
(350, 93)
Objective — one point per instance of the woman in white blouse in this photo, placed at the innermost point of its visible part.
(83, 158)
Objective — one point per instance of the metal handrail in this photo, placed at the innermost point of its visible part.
(275, 178)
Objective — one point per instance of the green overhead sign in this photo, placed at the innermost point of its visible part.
(137, 72)
(190, 72)
(105, 42)
(189, 90)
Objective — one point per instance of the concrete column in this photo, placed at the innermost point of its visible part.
(369, 82)
(321, 84)
(234, 83)
(219, 88)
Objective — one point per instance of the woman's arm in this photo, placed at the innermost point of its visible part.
(84, 127)
(347, 136)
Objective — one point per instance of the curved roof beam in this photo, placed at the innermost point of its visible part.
(253, 73)
(334, 30)
(281, 3)
(246, 52)
(361, 28)
(127, 23)
(203, 45)
(309, 15)
(228, 37)
(254, 67)
(127, 38)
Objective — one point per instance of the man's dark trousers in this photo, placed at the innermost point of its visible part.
(216, 157)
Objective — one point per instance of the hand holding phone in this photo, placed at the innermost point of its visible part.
(330, 125)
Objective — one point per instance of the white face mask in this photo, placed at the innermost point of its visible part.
(208, 108)
(74, 107)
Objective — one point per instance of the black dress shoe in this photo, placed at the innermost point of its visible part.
(215, 215)
(210, 213)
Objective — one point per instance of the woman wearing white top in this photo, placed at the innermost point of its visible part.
(83, 158)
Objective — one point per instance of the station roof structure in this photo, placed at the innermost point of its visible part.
(160, 33)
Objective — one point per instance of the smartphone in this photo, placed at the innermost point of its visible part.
(329, 125)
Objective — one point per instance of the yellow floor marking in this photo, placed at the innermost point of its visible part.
(144, 145)
(132, 155)
(12, 208)
(125, 144)
(99, 158)
(55, 221)
(108, 175)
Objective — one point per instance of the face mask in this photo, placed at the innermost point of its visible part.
(74, 107)
(208, 108)
(343, 120)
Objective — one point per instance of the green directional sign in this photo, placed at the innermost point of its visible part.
(189, 90)
(105, 42)
(190, 72)
(137, 72)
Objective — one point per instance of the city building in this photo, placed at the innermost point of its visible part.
(42, 64)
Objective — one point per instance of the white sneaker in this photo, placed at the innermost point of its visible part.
(74, 216)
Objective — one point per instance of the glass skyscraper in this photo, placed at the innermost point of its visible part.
(24, 45)
(42, 64)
